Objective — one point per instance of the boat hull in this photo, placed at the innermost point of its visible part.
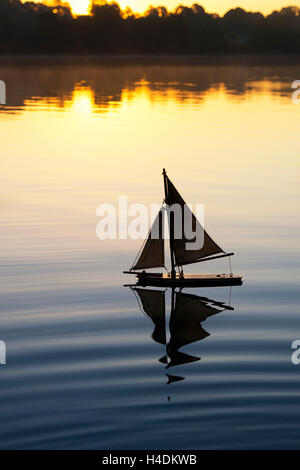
(188, 280)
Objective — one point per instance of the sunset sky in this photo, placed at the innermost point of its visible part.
(219, 6)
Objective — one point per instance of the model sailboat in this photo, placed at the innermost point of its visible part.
(152, 254)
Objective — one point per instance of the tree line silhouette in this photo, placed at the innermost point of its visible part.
(35, 28)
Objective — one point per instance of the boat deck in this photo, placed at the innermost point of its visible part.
(187, 280)
(200, 276)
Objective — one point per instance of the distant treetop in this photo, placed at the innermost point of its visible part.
(30, 28)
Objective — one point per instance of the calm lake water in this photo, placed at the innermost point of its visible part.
(83, 370)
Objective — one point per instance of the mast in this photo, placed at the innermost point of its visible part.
(173, 301)
(168, 353)
(171, 227)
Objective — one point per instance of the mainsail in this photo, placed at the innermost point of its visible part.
(182, 254)
(153, 252)
(178, 358)
(197, 308)
(174, 378)
(185, 326)
(185, 322)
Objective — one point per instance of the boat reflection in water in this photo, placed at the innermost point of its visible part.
(188, 312)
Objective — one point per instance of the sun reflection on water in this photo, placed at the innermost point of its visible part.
(83, 100)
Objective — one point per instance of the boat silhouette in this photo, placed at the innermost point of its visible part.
(152, 253)
(188, 312)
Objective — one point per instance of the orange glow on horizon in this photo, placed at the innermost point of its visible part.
(81, 7)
